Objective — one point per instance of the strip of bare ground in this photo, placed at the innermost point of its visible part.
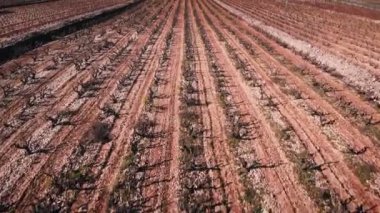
(172, 193)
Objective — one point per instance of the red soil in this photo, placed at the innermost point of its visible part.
(187, 106)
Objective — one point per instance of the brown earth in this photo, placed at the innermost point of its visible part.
(196, 105)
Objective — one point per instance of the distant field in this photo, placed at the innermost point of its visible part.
(7, 3)
(370, 4)
(363, 3)
(365, 8)
(16, 23)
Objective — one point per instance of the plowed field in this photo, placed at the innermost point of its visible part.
(194, 106)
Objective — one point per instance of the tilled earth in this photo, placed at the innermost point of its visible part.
(196, 105)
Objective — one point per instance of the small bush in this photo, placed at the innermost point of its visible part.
(102, 132)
